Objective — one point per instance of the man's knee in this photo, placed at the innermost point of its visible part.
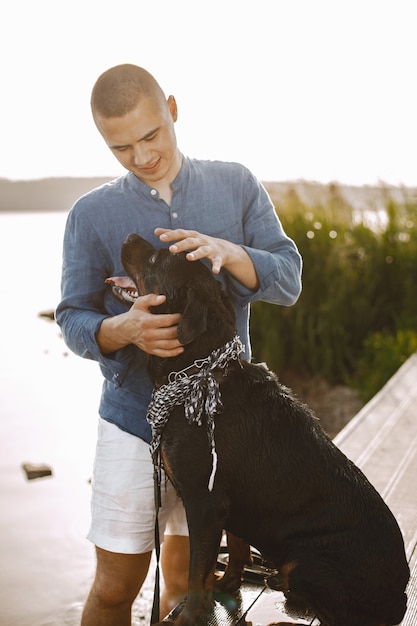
(113, 594)
(119, 577)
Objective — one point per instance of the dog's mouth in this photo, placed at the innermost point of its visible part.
(124, 289)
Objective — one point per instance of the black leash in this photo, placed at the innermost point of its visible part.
(157, 496)
(155, 615)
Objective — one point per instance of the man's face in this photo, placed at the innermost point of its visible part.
(144, 140)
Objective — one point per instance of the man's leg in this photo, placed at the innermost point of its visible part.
(123, 523)
(175, 562)
(118, 580)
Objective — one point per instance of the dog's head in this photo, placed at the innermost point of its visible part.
(189, 287)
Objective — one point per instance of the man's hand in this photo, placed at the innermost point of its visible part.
(219, 252)
(198, 246)
(154, 334)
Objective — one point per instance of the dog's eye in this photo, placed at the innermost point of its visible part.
(153, 258)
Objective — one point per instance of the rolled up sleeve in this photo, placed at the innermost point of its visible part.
(275, 256)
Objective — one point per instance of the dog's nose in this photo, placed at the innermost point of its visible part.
(132, 238)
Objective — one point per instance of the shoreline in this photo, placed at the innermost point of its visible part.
(59, 194)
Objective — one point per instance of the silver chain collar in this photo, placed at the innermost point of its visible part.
(198, 391)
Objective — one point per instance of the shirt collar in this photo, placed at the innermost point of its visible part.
(176, 183)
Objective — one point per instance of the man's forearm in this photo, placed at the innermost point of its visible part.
(110, 336)
(240, 266)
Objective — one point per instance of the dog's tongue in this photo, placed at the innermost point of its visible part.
(123, 289)
(124, 282)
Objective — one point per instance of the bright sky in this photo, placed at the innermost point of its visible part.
(321, 90)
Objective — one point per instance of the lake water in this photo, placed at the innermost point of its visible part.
(48, 414)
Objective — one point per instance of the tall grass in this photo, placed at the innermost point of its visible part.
(356, 320)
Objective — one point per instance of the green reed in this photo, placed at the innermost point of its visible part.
(356, 320)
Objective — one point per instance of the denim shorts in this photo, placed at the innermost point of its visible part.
(123, 501)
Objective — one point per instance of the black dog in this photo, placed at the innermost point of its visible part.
(248, 457)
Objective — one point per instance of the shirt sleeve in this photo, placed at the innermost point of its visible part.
(275, 256)
(82, 308)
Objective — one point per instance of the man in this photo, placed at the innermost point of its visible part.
(215, 211)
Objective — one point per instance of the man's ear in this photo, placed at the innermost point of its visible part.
(194, 319)
(172, 106)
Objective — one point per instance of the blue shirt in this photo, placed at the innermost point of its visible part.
(219, 199)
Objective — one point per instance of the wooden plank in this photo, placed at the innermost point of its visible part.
(382, 441)
(390, 410)
(410, 618)
(229, 610)
(270, 609)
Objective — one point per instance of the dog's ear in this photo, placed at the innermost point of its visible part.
(194, 319)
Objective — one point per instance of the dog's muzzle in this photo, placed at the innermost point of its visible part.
(123, 289)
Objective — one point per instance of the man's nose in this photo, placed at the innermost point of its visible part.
(140, 155)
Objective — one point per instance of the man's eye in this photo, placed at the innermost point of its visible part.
(151, 137)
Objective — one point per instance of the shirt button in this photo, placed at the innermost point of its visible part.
(175, 215)
(153, 192)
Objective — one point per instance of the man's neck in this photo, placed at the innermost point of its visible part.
(164, 185)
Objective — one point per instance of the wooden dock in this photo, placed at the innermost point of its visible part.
(382, 440)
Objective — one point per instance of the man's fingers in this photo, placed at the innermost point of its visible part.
(169, 234)
(151, 299)
(165, 323)
(196, 245)
(216, 265)
(167, 353)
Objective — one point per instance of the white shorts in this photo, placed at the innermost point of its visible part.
(122, 502)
